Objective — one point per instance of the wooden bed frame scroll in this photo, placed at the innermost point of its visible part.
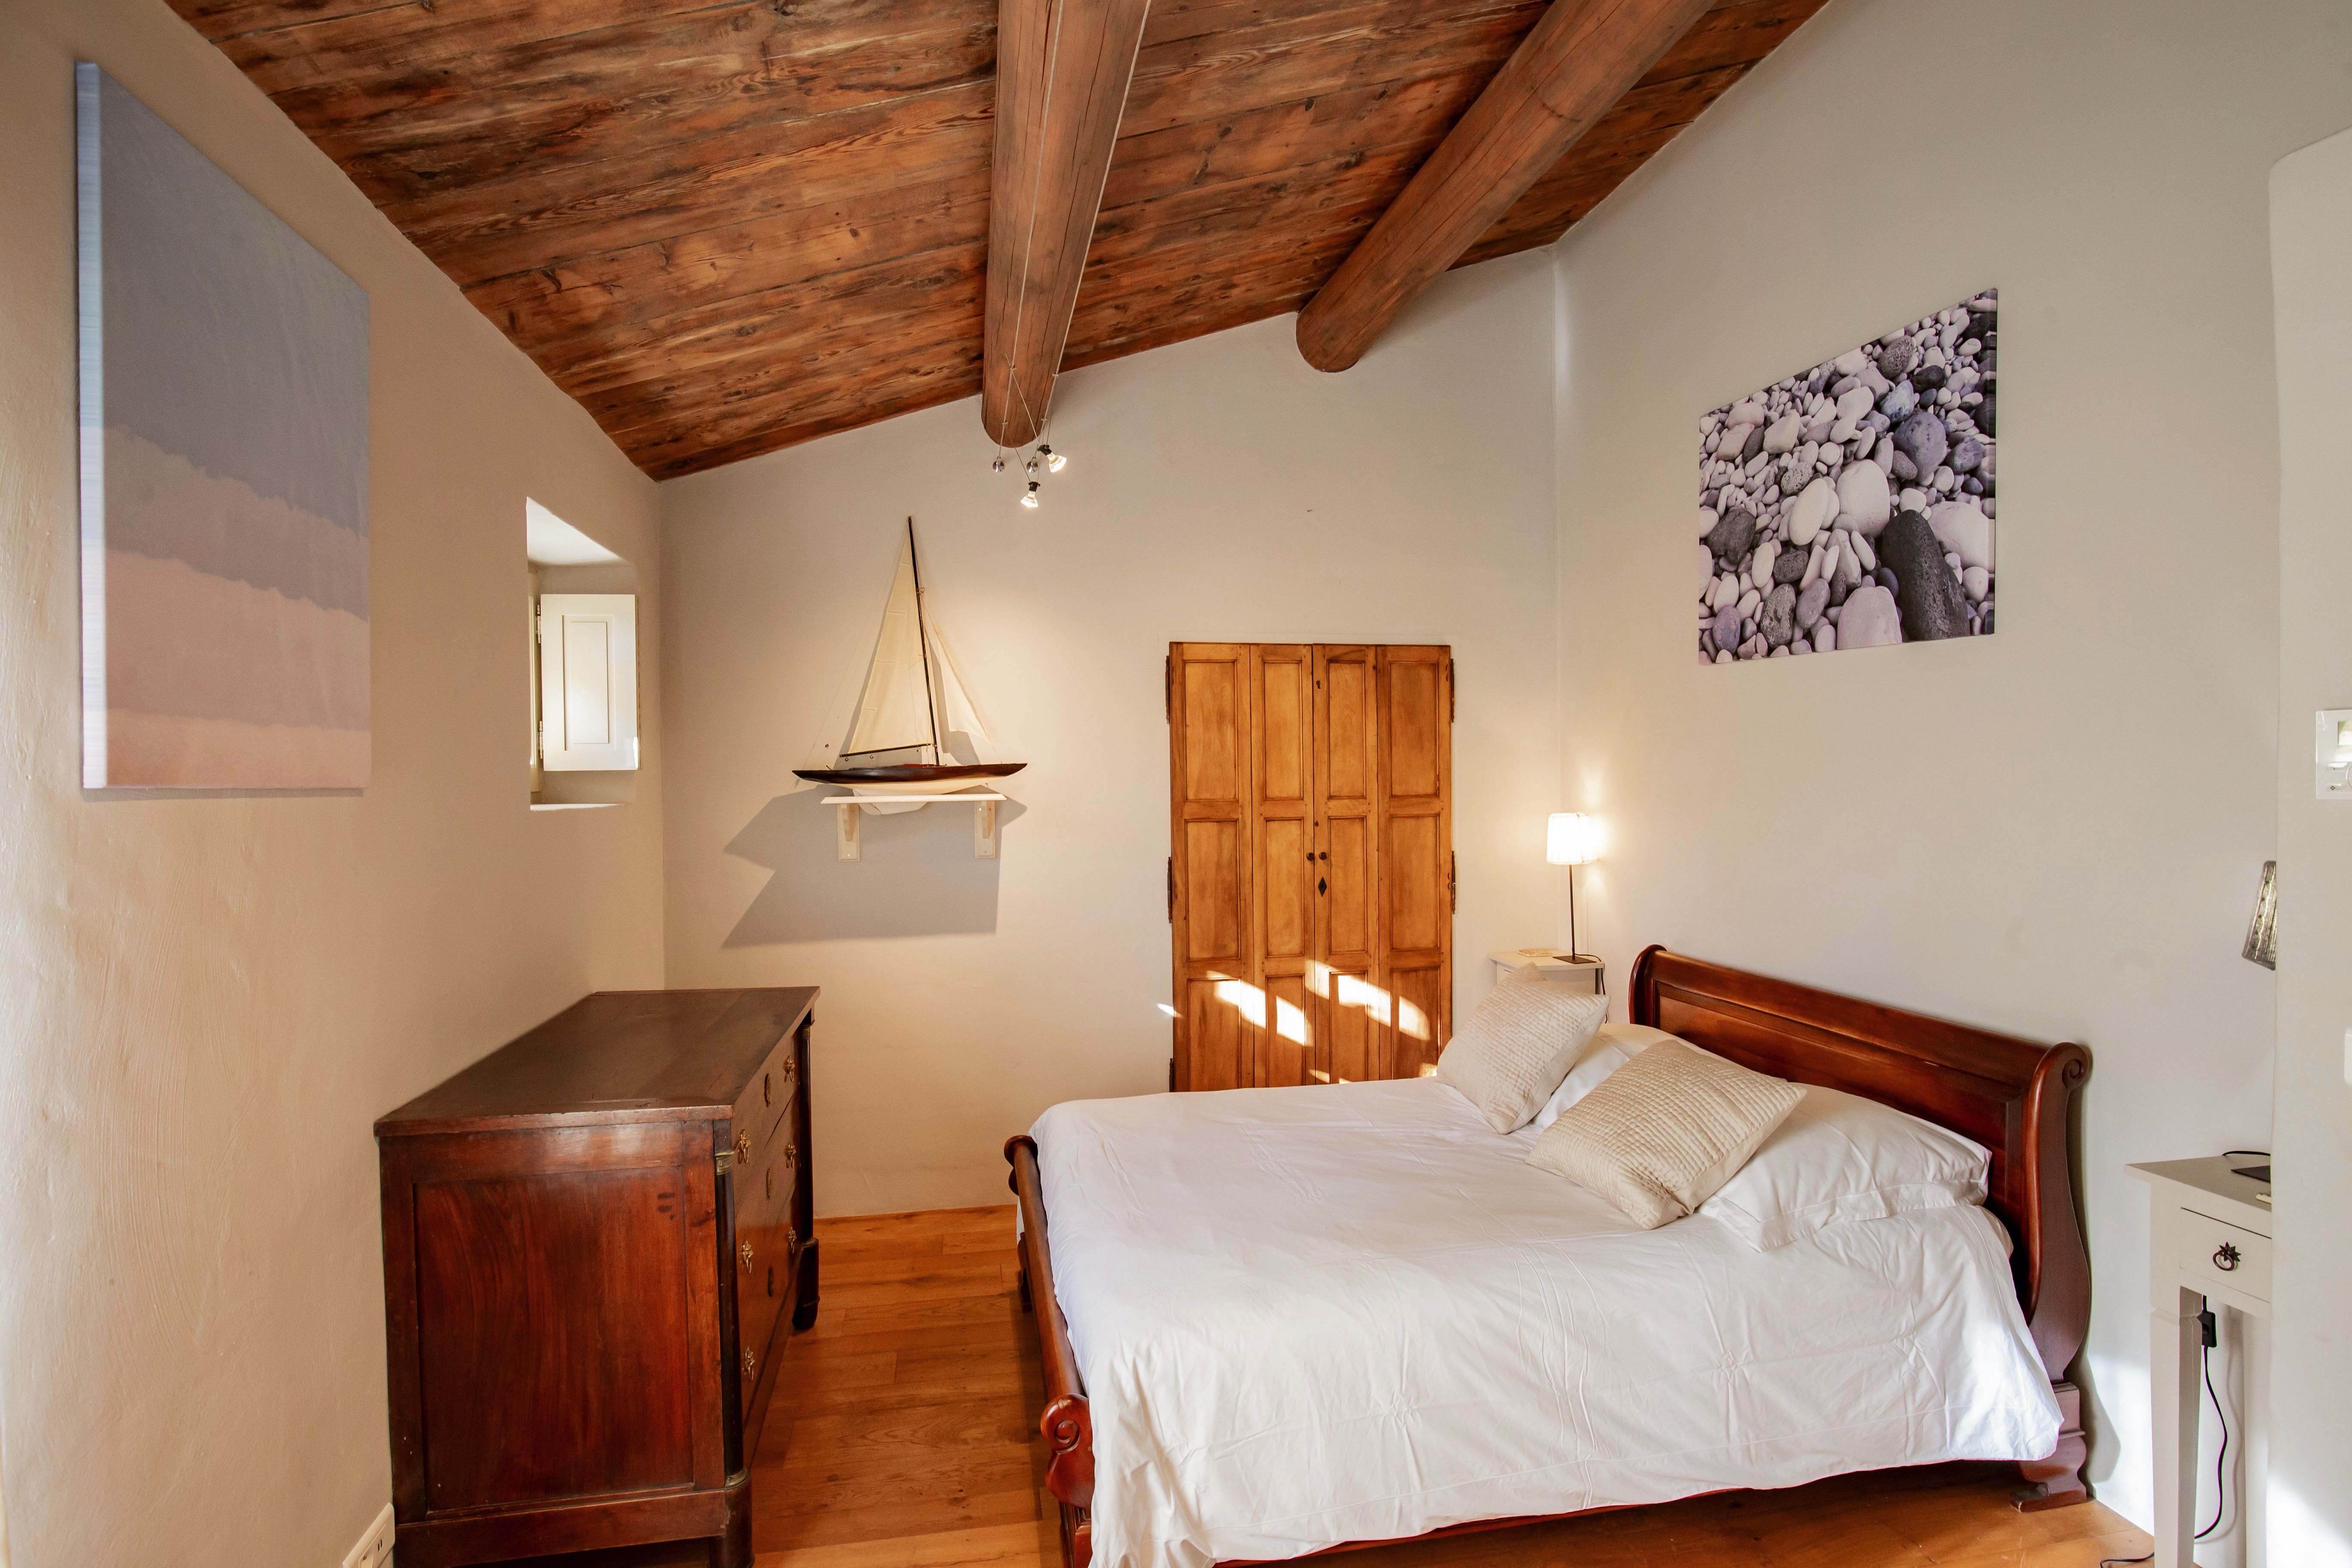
(2010, 1095)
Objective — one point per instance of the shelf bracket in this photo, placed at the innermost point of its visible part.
(845, 845)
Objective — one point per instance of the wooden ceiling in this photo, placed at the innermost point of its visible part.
(729, 227)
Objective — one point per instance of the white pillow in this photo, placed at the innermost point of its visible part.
(1613, 1045)
(1841, 1157)
(1518, 1043)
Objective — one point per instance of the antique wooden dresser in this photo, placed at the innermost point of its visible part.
(591, 1238)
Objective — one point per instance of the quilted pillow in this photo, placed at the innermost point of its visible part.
(1663, 1131)
(1518, 1046)
(1613, 1045)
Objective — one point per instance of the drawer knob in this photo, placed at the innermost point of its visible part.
(2225, 1256)
(792, 1238)
(744, 1251)
(742, 1148)
(750, 1361)
(791, 1155)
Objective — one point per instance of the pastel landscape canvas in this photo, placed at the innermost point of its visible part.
(224, 421)
(1852, 505)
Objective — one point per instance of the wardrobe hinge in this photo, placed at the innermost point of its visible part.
(1171, 889)
(1453, 882)
(724, 1160)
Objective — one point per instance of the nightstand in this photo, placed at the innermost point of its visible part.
(2209, 1240)
(1586, 973)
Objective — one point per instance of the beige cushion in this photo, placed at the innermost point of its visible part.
(1519, 1044)
(1662, 1133)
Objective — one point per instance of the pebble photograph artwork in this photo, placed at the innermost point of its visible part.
(1852, 505)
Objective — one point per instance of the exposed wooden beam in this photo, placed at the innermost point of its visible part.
(1576, 62)
(1061, 73)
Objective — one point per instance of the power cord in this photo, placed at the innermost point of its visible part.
(2209, 1336)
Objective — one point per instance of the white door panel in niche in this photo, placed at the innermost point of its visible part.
(588, 681)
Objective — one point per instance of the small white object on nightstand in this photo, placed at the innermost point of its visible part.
(2209, 1239)
(1586, 973)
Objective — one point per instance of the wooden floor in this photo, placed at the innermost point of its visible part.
(903, 1436)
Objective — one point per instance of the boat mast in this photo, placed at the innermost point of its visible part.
(923, 641)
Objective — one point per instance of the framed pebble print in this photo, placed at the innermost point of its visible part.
(1852, 505)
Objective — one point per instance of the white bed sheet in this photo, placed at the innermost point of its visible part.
(1351, 1313)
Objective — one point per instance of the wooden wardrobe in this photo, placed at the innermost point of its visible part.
(1310, 878)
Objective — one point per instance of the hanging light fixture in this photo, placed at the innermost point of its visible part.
(1055, 461)
(1029, 497)
(998, 466)
(1030, 467)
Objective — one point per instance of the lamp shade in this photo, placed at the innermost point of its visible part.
(1570, 839)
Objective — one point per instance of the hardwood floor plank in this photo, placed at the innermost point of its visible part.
(988, 1546)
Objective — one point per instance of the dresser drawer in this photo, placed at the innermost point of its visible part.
(2221, 1254)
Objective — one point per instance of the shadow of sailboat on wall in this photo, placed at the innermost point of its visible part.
(916, 732)
(919, 878)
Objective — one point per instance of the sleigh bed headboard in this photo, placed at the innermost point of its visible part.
(2010, 1095)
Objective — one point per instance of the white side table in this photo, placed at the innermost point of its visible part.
(2209, 1239)
(1586, 973)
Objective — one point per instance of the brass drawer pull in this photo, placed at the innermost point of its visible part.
(744, 1149)
(2225, 1256)
(791, 1155)
(792, 1238)
(745, 1252)
(750, 1362)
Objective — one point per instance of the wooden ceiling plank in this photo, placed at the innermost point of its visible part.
(1258, 143)
(1206, 284)
(835, 355)
(403, 138)
(920, 368)
(516, 225)
(1735, 33)
(697, 459)
(1579, 60)
(1173, 20)
(1063, 71)
(221, 20)
(908, 289)
(1303, 199)
(1204, 78)
(570, 305)
(485, 44)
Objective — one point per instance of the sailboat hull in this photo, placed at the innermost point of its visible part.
(911, 778)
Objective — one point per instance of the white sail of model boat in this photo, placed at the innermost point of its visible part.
(914, 700)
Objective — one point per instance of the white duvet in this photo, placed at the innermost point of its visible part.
(1308, 1316)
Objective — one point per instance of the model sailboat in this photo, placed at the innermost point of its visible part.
(913, 696)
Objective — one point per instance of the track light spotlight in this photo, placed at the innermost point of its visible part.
(1029, 497)
(1055, 461)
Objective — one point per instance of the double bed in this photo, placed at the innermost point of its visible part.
(1276, 1322)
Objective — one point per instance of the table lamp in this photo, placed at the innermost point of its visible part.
(1570, 840)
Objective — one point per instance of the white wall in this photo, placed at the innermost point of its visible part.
(208, 1001)
(1220, 490)
(2311, 236)
(2057, 831)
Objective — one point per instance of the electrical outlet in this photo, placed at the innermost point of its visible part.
(375, 1549)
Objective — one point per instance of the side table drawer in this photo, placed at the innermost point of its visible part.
(2220, 1254)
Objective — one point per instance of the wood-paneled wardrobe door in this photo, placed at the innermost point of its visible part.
(1209, 872)
(1310, 882)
